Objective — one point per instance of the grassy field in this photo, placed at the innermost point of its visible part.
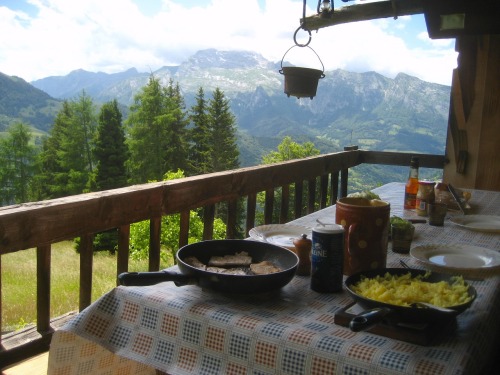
(19, 282)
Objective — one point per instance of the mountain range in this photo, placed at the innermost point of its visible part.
(367, 109)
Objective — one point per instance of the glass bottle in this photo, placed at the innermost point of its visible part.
(411, 187)
(425, 196)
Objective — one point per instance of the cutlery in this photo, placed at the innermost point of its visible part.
(426, 305)
(403, 263)
(460, 201)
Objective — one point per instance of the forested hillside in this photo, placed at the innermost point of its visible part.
(20, 101)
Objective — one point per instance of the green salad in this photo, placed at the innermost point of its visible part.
(396, 220)
(364, 194)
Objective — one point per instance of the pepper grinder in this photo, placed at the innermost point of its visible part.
(303, 251)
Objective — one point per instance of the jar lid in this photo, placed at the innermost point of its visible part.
(428, 183)
(328, 228)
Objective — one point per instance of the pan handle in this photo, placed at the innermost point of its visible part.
(368, 319)
(151, 278)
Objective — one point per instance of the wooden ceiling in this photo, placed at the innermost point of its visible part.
(444, 18)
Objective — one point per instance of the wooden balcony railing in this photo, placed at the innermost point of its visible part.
(41, 224)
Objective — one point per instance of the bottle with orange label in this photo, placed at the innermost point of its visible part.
(411, 187)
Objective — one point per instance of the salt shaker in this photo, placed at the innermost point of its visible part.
(303, 251)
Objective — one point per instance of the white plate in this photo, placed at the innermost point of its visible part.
(481, 223)
(279, 234)
(458, 258)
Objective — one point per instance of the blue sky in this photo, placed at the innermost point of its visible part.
(40, 38)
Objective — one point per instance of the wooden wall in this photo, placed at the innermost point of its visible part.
(473, 143)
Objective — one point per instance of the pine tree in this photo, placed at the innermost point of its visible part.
(52, 177)
(66, 163)
(110, 154)
(76, 142)
(17, 161)
(110, 151)
(86, 122)
(224, 150)
(157, 141)
(200, 149)
(177, 151)
(147, 141)
(225, 153)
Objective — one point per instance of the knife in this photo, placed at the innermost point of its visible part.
(460, 201)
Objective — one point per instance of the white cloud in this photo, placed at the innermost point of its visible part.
(114, 35)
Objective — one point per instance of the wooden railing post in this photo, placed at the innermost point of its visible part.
(268, 206)
(311, 193)
(323, 191)
(208, 222)
(86, 266)
(184, 228)
(334, 187)
(299, 189)
(285, 203)
(154, 243)
(43, 254)
(123, 249)
(251, 206)
(232, 211)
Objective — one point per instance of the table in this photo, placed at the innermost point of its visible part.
(187, 330)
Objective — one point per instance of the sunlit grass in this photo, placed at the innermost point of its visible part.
(19, 282)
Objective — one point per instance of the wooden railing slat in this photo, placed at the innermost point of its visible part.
(232, 211)
(323, 191)
(184, 228)
(334, 183)
(123, 249)
(299, 190)
(86, 265)
(285, 203)
(154, 243)
(269, 206)
(43, 254)
(344, 175)
(311, 192)
(208, 222)
(251, 207)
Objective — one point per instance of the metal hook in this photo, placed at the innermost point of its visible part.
(295, 37)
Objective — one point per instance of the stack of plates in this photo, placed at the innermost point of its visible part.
(481, 223)
(279, 234)
(458, 259)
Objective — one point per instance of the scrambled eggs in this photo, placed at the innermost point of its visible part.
(404, 290)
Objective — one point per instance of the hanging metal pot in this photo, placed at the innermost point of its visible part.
(301, 82)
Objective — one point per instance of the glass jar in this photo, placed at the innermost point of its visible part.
(442, 194)
(425, 195)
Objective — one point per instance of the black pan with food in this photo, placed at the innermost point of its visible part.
(379, 311)
(280, 257)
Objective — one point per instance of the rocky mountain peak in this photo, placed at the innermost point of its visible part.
(212, 58)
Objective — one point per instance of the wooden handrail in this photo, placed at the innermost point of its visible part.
(40, 224)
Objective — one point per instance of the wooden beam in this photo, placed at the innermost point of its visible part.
(365, 12)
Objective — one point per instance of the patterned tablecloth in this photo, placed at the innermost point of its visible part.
(187, 330)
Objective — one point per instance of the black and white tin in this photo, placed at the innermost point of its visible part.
(327, 258)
